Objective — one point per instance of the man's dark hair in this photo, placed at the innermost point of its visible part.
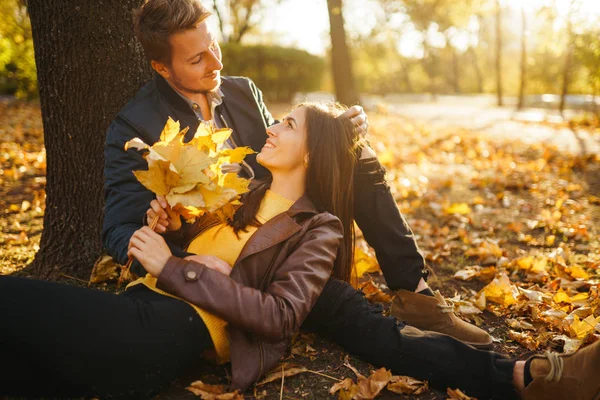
(156, 20)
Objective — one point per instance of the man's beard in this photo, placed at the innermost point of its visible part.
(185, 89)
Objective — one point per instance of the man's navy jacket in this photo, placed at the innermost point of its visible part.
(242, 110)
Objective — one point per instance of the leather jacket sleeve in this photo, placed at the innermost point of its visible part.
(276, 313)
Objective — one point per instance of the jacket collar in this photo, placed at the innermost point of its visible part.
(171, 96)
(278, 229)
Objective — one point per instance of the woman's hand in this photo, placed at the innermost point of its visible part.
(212, 262)
(168, 219)
(150, 249)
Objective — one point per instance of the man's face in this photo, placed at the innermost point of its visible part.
(195, 61)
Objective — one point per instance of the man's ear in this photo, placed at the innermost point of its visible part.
(161, 68)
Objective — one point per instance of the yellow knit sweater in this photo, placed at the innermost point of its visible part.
(220, 241)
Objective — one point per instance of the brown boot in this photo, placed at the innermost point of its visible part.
(435, 314)
(561, 377)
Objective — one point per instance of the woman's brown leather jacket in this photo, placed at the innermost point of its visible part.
(275, 282)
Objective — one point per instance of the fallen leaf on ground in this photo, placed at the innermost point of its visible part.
(407, 385)
(457, 394)
(276, 373)
(373, 293)
(104, 269)
(213, 392)
(501, 291)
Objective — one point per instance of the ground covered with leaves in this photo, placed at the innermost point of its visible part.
(509, 229)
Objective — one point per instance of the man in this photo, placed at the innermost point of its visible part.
(188, 87)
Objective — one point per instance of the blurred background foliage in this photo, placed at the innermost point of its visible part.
(280, 72)
(17, 63)
(509, 47)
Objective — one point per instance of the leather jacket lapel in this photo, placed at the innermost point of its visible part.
(278, 229)
(271, 233)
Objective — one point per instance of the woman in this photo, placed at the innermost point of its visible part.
(88, 342)
(284, 243)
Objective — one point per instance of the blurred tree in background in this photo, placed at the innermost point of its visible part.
(17, 63)
(502, 47)
(280, 72)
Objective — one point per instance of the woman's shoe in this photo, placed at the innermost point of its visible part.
(565, 377)
(435, 314)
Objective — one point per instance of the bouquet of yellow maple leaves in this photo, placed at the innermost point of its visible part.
(189, 174)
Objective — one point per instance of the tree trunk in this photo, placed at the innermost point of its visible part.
(455, 71)
(499, 52)
(428, 65)
(477, 68)
(567, 66)
(88, 64)
(523, 59)
(343, 79)
(406, 77)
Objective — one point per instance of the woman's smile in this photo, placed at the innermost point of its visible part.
(269, 144)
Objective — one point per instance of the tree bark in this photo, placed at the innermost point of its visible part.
(523, 85)
(341, 61)
(568, 62)
(477, 68)
(455, 71)
(89, 64)
(499, 52)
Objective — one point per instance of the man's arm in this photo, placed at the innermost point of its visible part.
(126, 200)
(384, 227)
(258, 96)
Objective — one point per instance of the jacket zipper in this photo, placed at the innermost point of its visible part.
(262, 288)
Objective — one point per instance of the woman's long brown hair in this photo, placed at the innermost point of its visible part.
(332, 155)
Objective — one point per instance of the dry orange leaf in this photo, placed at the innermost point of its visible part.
(104, 269)
(407, 385)
(501, 291)
(276, 373)
(364, 263)
(457, 394)
(373, 293)
(213, 392)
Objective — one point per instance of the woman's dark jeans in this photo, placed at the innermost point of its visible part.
(68, 341)
(64, 340)
(344, 316)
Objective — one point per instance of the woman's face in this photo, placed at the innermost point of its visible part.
(286, 148)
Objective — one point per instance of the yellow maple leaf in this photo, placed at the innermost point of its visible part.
(501, 291)
(220, 135)
(458, 208)
(582, 328)
(192, 198)
(231, 180)
(236, 155)
(578, 272)
(170, 131)
(561, 297)
(364, 263)
(159, 178)
(214, 199)
(188, 174)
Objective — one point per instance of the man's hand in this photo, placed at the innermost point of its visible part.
(359, 119)
(212, 262)
(361, 125)
(150, 249)
(168, 219)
